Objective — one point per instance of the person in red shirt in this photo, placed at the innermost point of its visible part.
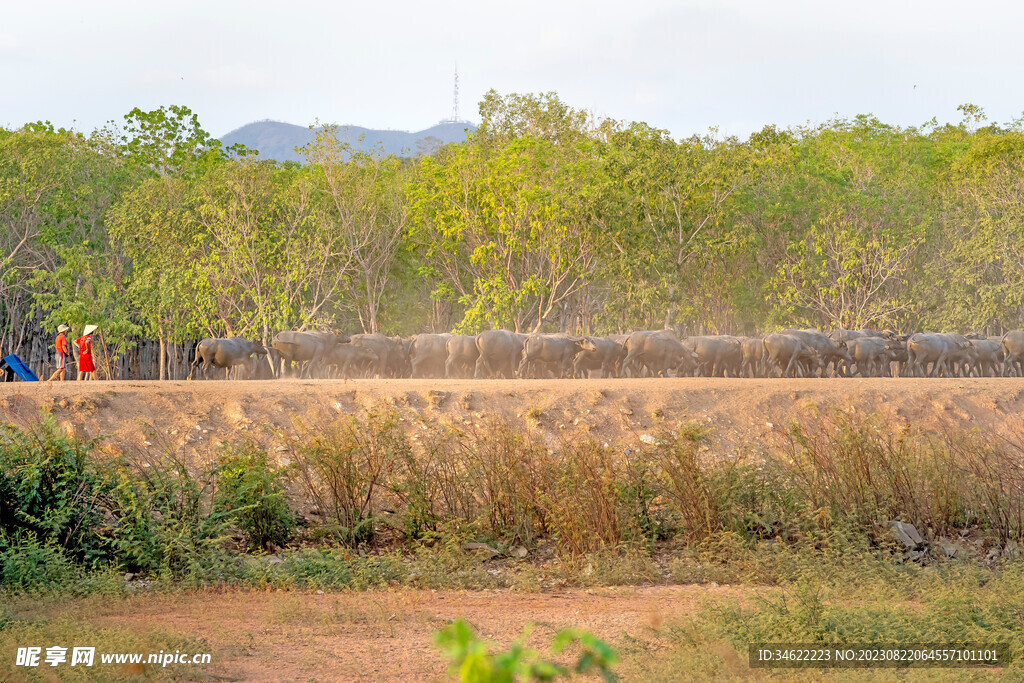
(86, 367)
(63, 349)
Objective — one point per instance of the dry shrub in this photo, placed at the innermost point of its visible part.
(686, 481)
(495, 482)
(579, 498)
(996, 498)
(435, 486)
(486, 477)
(513, 489)
(346, 466)
(868, 471)
(510, 470)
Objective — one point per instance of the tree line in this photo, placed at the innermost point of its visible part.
(545, 219)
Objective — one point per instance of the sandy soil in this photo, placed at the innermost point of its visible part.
(383, 636)
(189, 417)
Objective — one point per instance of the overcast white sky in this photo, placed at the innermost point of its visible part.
(683, 65)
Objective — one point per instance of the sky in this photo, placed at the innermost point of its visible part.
(683, 66)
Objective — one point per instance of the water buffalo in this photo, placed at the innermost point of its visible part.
(872, 355)
(349, 360)
(842, 368)
(306, 347)
(828, 351)
(988, 356)
(840, 334)
(1012, 344)
(753, 357)
(943, 351)
(499, 353)
(604, 354)
(399, 356)
(428, 354)
(784, 352)
(392, 354)
(717, 355)
(897, 368)
(462, 355)
(659, 353)
(226, 353)
(557, 350)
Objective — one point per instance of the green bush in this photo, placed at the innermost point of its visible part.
(252, 494)
(32, 566)
(52, 490)
(166, 522)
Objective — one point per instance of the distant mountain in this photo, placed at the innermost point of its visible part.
(277, 140)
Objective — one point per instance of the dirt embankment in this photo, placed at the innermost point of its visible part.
(189, 417)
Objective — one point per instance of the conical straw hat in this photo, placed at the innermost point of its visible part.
(89, 329)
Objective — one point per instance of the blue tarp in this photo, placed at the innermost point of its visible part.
(20, 369)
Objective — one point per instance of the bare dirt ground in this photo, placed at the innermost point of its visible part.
(381, 636)
(386, 635)
(188, 417)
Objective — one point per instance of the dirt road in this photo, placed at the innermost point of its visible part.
(377, 635)
(187, 417)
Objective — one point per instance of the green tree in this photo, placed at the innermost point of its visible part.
(682, 240)
(154, 228)
(361, 207)
(56, 265)
(511, 219)
(977, 270)
(847, 275)
(170, 141)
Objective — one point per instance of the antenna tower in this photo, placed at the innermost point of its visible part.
(455, 99)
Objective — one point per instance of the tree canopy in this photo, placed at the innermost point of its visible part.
(544, 219)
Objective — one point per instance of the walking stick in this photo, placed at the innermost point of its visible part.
(106, 357)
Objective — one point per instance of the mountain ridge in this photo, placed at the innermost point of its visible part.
(277, 140)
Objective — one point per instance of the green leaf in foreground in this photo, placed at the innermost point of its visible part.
(472, 661)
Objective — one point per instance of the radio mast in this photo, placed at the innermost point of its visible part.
(455, 100)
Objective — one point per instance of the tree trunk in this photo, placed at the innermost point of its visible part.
(163, 355)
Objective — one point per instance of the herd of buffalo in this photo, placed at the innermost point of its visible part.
(500, 353)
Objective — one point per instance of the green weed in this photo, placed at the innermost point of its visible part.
(252, 493)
